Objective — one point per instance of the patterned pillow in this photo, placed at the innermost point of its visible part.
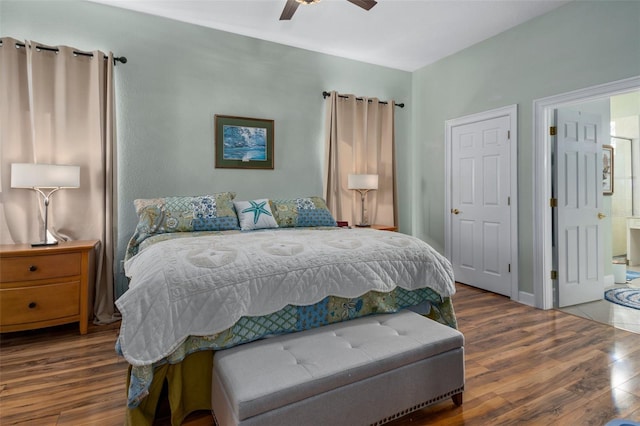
(302, 212)
(182, 214)
(255, 214)
(186, 214)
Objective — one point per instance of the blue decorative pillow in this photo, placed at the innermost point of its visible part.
(255, 214)
(187, 213)
(302, 212)
(183, 214)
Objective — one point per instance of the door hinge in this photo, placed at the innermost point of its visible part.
(553, 202)
(509, 134)
(554, 275)
(509, 267)
(553, 130)
(508, 201)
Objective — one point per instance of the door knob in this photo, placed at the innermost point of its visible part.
(455, 211)
(601, 216)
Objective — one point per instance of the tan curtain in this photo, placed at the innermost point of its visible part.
(57, 108)
(360, 140)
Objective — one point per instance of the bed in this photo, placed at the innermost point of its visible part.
(209, 272)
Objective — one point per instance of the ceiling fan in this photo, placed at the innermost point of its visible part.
(292, 5)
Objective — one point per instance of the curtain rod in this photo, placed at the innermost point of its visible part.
(325, 94)
(120, 59)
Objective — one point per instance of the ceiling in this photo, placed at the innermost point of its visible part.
(400, 34)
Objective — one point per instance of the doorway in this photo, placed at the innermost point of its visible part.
(625, 196)
(545, 295)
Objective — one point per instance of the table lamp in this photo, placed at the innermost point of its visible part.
(45, 179)
(362, 184)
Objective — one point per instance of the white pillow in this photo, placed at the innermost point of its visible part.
(255, 214)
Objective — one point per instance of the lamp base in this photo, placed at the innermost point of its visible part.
(363, 226)
(44, 244)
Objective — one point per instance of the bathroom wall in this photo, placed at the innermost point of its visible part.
(625, 124)
(622, 198)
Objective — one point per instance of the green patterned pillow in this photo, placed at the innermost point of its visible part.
(187, 213)
(183, 214)
(302, 212)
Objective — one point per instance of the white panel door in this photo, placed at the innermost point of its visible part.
(578, 216)
(480, 198)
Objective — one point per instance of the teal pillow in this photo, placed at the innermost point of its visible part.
(302, 212)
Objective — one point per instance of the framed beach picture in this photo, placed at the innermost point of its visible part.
(607, 169)
(243, 143)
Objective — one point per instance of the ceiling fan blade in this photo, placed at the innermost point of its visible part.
(365, 4)
(289, 10)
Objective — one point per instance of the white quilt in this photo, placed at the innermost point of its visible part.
(202, 285)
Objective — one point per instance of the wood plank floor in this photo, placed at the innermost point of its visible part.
(523, 366)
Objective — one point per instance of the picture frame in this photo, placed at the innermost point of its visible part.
(243, 142)
(607, 169)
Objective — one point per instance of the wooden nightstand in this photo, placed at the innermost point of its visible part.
(384, 227)
(45, 286)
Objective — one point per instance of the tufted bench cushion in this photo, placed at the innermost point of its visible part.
(365, 371)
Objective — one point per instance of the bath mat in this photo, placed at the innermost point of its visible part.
(622, 422)
(632, 275)
(629, 297)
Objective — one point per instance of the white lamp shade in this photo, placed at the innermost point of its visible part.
(362, 181)
(27, 175)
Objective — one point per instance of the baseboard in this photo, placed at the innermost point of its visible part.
(528, 299)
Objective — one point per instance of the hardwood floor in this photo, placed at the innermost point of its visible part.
(523, 366)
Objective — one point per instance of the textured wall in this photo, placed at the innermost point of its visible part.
(180, 75)
(582, 44)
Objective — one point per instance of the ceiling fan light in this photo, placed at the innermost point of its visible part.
(308, 1)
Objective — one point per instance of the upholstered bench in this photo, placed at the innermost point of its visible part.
(366, 371)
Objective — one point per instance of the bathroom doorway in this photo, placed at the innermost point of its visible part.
(625, 197)
(623, 204)
(543, 276)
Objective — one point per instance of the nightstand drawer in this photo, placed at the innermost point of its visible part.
(40, 267)
(33, 304)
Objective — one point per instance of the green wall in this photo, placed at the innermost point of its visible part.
(581, 44)
(180, 75)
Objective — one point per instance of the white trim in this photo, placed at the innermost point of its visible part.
(512, 112)
(609, 280)
(542, 244)
(528, 299)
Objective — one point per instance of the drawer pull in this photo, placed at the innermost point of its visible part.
(33, 268)
(32, 305)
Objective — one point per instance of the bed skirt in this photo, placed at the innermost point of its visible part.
(189, 390)
(189, 381)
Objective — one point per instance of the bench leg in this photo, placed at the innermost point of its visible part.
(457, 399)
